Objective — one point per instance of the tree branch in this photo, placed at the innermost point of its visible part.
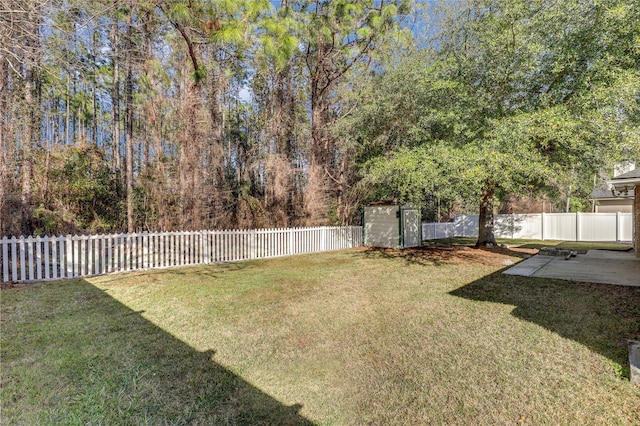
(185, 37)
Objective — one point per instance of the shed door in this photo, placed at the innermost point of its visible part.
(411, 228)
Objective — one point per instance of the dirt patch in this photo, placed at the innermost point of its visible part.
(458, 255)
(5, 286)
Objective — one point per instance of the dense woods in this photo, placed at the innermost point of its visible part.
(164, 114)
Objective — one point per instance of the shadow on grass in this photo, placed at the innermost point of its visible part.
(581, 246)
(599, 316)
(441, 255)
(74, 355)
(532, 244)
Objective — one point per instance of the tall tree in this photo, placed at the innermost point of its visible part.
(340, 35)
(279, 93)
(23, 54)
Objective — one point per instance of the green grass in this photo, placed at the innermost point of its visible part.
(350, 337)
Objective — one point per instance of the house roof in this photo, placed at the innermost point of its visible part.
(601, 193)
(624, 183)
(635, 173)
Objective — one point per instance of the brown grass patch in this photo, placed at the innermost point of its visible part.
(456, 255)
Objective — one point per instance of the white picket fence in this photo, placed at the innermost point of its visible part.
(541, 226)
(28, 259)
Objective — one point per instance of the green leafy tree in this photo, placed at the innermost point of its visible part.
(521, 94)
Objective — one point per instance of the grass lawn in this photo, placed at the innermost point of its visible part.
(428, 336)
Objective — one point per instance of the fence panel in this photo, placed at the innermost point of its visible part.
(625, 227)
(28, 259)
(527, 226)
(560, 226)
(544, 226)
(598, 227)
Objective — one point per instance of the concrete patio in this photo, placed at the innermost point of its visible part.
(596, 266)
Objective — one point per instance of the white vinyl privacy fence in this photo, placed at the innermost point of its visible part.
(28, 259)
(541, 226)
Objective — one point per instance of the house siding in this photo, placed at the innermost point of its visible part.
(614, 206)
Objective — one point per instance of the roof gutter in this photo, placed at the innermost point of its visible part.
(623, 187)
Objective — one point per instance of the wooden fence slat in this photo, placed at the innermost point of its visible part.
(145, 251)
(74, 248)
(68, 265)
(30, 257)
(192, 248)
(84, 266)
(156, 250)
(23, 263)
(5, 259)
(103, 255)
(47, 265)
(126, 252)
(119, 255)
(216, 246)
(95, 248)
(90, 254)
(14, 259)
(109, 260)
(54, 257)
(171, 250)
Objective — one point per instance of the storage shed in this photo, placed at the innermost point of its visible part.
(392, 226)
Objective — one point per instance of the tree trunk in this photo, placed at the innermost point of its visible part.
(316, 194)
(486, 237)
(189, 155)
(115, 98)
(279, 171)
(94, 85)
(31, 116)
(129, 126)
(5, 146)
(67, 113)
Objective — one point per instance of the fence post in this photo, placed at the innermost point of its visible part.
(90, 254)
(97, 254)
(109, 262)
(204, 249)
(617, 226)
(252, 244)
(542, 227)
(68, 264)
(54, 257)
(84, 269)
(38, 258)
(5, 259)
(30, 253)
(578, 227)
(123, 247)
(47, 274)
(14, 258)
(142, 258)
